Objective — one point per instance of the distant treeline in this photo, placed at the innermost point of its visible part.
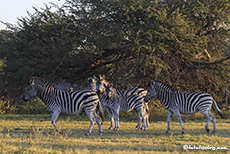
(184, 44)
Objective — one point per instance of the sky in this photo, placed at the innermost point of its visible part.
(11, 10)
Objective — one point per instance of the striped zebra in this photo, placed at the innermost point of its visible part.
(105, 102)
(122, 103)
(183, 102)
(70, 103)
(124, 93)
(137, 91)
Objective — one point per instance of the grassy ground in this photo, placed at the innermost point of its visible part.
(35, 134)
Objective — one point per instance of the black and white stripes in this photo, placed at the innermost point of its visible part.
(124, 101)
(70, 103)
(183, 102)
(101, 94)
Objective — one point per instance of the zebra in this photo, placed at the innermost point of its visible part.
(122, 103)
(125, 104)
(107, 102)
(70, 103)
(125, 93)
(183, 102)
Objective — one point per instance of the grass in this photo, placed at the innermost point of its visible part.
(35, 134)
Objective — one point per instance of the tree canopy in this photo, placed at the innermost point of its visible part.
(183, 43)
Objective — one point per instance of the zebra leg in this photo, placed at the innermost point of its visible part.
(54, 117)
(214, 123)
(98, 120)
(207, 124)
(146, 111)
(207, 114)
(91, 117)
(147, 119)
(143, 120)
(116, 119)
(177, 113)
(110, 117)
(210, 118)
(168, 120)
(139, 120)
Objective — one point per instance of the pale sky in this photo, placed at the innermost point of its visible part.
(11, 10)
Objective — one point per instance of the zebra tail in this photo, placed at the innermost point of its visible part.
(219, 112)
(101, 112)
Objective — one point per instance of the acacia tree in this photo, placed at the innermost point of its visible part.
(182, 43)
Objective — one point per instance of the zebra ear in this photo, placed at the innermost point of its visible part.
(94, 77)
(152, 83)
(90, 79)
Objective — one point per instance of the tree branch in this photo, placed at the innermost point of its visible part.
(211, 63)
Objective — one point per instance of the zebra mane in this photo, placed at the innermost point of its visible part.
(102, 78)
(43, 80)
(160, 84)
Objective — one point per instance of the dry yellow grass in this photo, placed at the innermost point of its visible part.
(35, 134)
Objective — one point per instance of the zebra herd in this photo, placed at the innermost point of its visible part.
(102, 95)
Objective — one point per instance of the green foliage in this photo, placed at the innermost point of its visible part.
(34, 106)
(6, 107)
(184, 44)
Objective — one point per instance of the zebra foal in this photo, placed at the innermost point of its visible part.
(183, 102)
(109, 104)
(70, 103)
(126, 104)
(117, 102)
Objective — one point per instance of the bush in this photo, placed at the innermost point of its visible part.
(34, 106)
(6, 107)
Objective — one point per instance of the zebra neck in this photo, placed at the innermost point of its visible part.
(165, 96)
(114, 93)
(46, 94)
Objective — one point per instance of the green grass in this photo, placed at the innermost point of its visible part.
(35, 134)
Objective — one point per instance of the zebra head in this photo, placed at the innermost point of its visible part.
(108, 90)
(151, 93)
(100, 84)
(92, 83)
(30, 91)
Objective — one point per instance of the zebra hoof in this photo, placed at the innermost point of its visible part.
(214, 131)
(207, 130)
(182, 131)
(115, 129)
(167, 131)
(60, 132)
(109, 127)
(100, 133)
(87, 134)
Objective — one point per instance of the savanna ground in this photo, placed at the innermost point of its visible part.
(35, 134)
